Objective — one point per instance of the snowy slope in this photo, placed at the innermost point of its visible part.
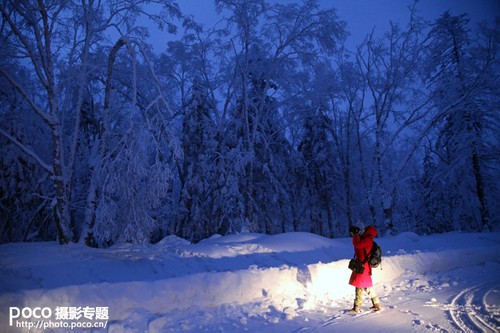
(294, 282)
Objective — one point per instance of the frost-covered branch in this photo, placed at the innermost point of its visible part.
(28, 151)
(48, 118)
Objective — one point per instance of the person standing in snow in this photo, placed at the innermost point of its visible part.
(363, 281)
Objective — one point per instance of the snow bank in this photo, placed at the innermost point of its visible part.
(281, 274)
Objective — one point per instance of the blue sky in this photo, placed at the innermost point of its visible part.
(362, 15)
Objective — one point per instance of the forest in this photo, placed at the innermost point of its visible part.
(267, 122)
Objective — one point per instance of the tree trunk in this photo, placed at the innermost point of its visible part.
(60, 206)
(330, 223)
(485, 216)
(385, 198)
(99, 150)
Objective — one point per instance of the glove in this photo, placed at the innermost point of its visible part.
(353, 231)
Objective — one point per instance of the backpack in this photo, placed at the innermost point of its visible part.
(374, 258)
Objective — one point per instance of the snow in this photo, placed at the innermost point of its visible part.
(293, 282)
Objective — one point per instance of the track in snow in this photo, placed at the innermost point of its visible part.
(477, 309)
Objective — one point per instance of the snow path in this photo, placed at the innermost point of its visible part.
(471, 312)
(284, 283)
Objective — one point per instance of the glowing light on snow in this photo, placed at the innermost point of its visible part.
(328, 283)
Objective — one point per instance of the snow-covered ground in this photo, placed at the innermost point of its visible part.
(294, 282)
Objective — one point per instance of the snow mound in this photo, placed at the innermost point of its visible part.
(250, 243)
(257, 282)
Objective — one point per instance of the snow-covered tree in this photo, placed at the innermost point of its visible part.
(37, 31)
(350, 136)
(55, 43)
(319, 155)
(270, 43)
(24, 207)
(394, 101)
(463, 77)
(136, 141)
(264, 123)
(198, 170)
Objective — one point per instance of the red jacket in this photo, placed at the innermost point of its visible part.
(362, 246)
